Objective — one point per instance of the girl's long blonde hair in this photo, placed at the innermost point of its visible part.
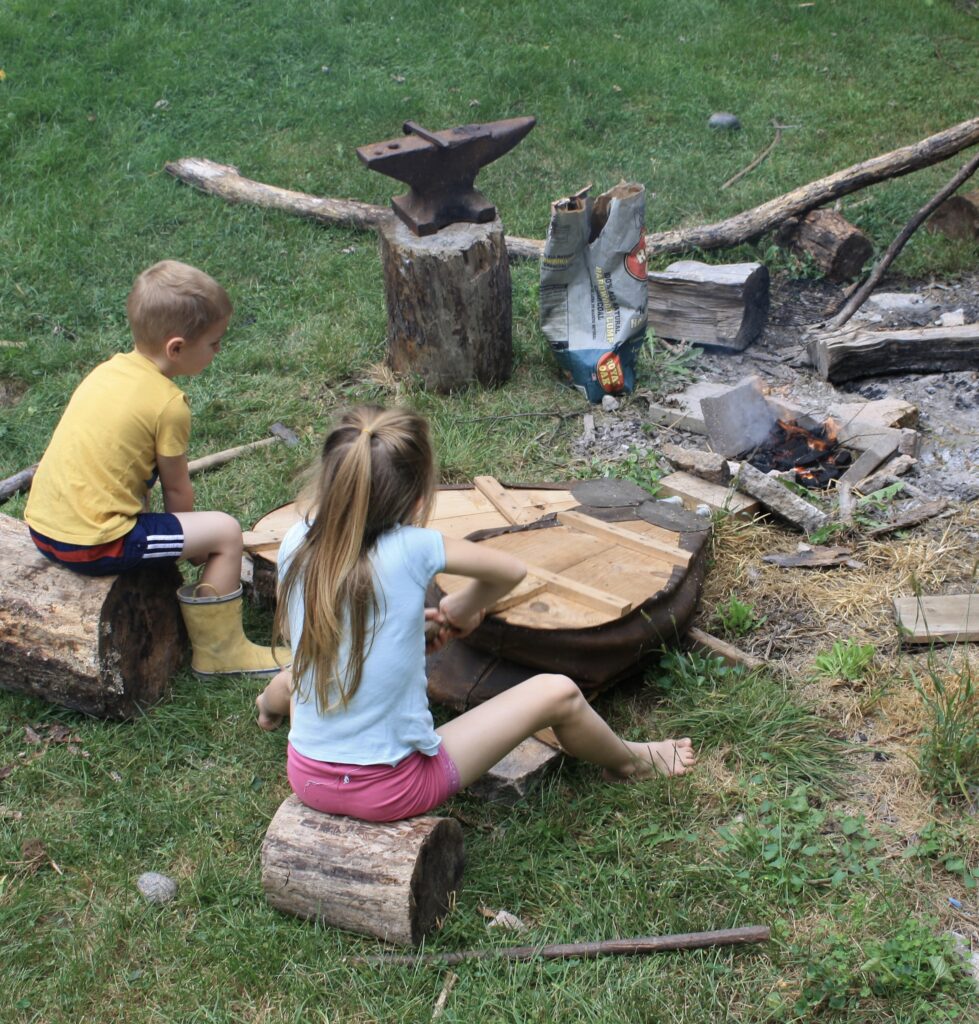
(376, 471)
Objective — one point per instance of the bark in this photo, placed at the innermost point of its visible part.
(449, 304)
(392, 880)
(105, 646)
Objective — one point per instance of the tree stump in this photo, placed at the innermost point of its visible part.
(725, 306)
(837, 247)
(957, 217)
(392, 880)
(449, 304)
(106, 646)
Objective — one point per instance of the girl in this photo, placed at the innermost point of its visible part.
(353, 574)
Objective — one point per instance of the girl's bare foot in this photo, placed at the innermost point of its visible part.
(266, 721)
(665, 757)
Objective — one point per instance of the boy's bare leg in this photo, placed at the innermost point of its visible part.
(214, 538)
(273, 701)
(479, 738)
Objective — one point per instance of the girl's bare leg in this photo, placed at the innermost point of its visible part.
(479, 738)
(273, 701)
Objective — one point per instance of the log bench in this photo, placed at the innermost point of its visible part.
(391, 880)
(106, 646)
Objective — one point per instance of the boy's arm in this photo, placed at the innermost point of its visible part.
(493, 574)
(178, 491)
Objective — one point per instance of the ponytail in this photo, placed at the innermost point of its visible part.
(376, 471)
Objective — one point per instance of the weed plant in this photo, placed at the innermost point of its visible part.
(845, 660)
(737, 618)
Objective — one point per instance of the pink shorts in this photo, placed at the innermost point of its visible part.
(374, 792)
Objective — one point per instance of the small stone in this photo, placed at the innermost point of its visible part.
(609, 403)
(724, 120)
(156, 888)
(955, 318)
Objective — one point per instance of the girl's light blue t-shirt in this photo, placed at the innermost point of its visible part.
(388, 717)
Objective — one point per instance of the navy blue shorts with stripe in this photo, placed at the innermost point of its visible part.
(156, 535)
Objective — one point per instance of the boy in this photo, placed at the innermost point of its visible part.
(126, 424)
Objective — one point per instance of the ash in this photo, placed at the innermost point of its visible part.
(948, 403)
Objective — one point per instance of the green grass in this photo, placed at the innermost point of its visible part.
(189, 789)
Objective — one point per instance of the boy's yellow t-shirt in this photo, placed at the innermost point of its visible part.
(94, 476)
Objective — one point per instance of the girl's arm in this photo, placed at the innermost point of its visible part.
(493, 572)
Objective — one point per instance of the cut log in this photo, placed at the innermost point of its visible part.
(723, 306)
(106, 646)
(520, 773)
(779, 499)
(862, 353)
(393, 880)
(449, 305)
(827, 238)
(957, 217)
(951, 619)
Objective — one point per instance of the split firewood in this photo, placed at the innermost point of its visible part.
(225, 182)
(777, 498)
(724, 306)
(914, 516)
(816, 557)
(827, 238)
(864, 353)
(957, 217)
(709, 466)
(888, 475)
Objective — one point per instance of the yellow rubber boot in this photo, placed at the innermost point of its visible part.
(220, 647)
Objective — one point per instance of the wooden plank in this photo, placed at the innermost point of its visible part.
(592, 597)
(950, 618)
(527, 588)
(695, 491)
(256, 540)
(624, 537)
(503, 501)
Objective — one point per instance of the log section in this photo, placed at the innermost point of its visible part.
(957, 217)
(449, 305)
(390, 880)
(837, 247)
(724, 306)
(106, 646)
(862, 353)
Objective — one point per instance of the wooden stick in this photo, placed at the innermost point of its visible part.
(220, 458)
(859, 297)
(625, 538)
(18, 482)
(501, 499)
(581, 950)
(728, 653)
(758, 159)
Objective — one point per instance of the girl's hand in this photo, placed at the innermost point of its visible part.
(436, 633)
(459, 626)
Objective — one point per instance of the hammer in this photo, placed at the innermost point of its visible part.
(279, 431)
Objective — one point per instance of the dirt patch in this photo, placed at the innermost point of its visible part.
(11, 390)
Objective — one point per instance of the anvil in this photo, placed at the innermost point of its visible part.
(441, 168)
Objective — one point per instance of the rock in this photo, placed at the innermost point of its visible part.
(156, 888)
(609, 403)
(900, 302)
(955, 318)
(709, 466)
(722, 119)
(739, 419)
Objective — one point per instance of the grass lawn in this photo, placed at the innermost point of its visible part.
(94, 98)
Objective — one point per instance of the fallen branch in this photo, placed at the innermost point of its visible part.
(758, 159)
(859, 297)
(580, 950)
(18, 482)
(918, 514)
(226, 182)
(761, 219)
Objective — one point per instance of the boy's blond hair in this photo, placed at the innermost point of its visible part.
(171, 300)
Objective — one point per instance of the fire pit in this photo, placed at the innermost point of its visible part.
(816, 456)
